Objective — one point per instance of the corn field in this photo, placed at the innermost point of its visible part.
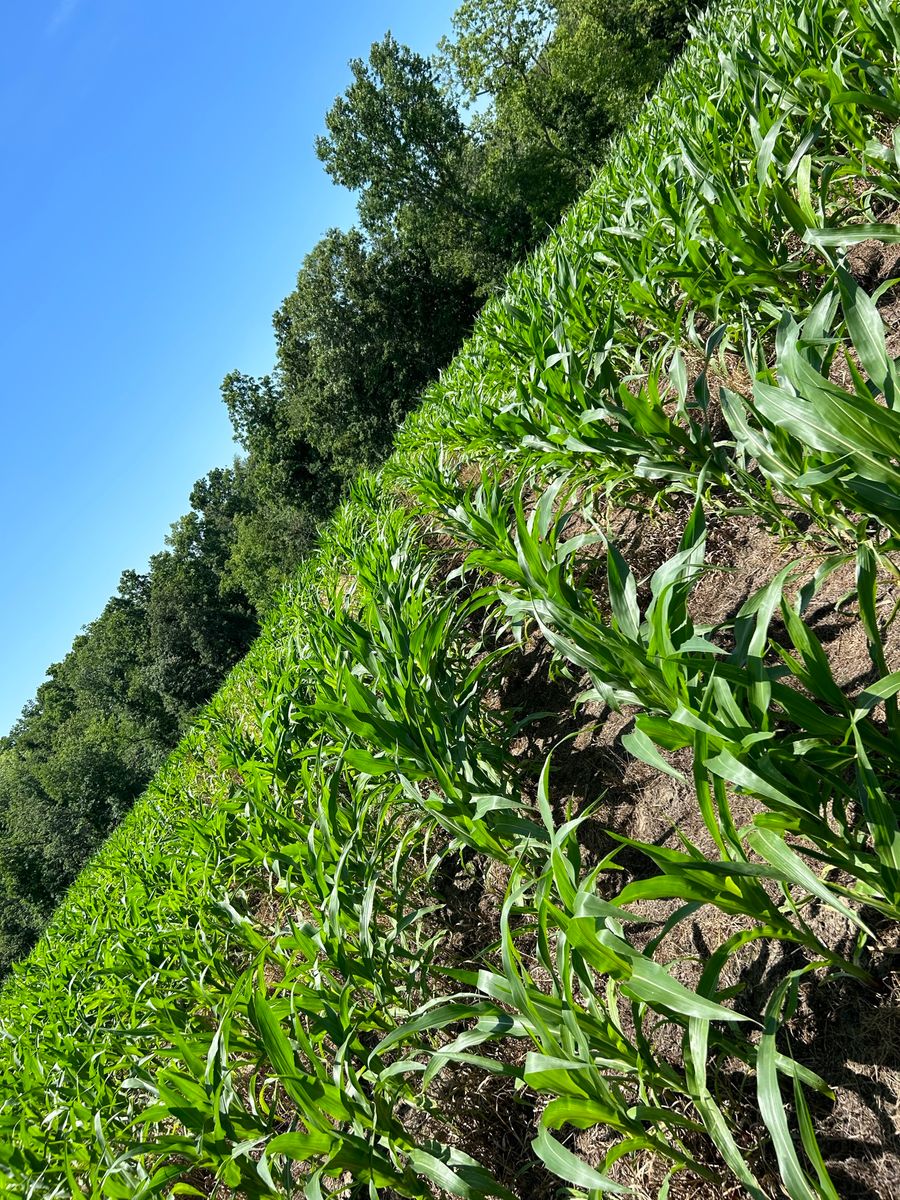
(541, 841)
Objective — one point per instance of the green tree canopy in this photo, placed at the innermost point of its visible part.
(368, 324)
(396, 137)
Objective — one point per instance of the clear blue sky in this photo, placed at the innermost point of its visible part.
(159, 192)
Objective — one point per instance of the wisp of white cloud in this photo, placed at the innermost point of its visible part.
(61, 15)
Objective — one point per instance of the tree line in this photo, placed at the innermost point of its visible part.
(462, 161)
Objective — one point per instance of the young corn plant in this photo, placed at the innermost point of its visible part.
(803, 754)
(584, 1061)
(397, 692)
(256, 1005)
(832, 452)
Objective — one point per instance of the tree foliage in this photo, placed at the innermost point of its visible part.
(395, 136)
(368, 324)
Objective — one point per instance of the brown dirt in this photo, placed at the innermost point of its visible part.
(872, 262)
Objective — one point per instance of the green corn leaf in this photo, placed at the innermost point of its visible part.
(460, 1176)
(810, 1144)
(881, 814)
(581, 1113)
(827, 422)
(638, 744)
(875, 693)
(867, 332)
(667, 732)
(311, 1095)
(544, 1073)
(816, 669)
(867, 594)
(622, 593)
(651, 983)
(696, 1050)
(767, 151)
(568, 1166)
(771, 1105)
(368, 763)
(769, 846)
(733, 771)
(850, 235)
(804, 190)
(302, 1146)
(868, 101)
(751, 638)
(588, 904)
(437, 1016)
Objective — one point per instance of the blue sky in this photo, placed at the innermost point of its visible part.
(160, 189)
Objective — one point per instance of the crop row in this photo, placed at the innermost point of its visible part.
(256, 985)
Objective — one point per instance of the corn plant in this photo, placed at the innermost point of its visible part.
(248, 988)
(583, 1059)
(833, 452)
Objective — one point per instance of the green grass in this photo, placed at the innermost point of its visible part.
(255, 986)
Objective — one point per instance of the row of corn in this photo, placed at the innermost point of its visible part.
(255, 989)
